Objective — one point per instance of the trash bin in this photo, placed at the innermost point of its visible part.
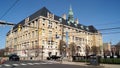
(94, 60)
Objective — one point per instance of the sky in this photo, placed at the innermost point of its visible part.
(101, 14)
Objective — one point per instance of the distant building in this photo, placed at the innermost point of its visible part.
(113, 50)
(39, 35)
(118, 49)
(107, 49)
(2, 51)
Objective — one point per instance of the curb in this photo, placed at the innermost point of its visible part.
(82, 64)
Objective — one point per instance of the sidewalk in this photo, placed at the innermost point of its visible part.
(82, 64)
(111, 65)
(85, 64)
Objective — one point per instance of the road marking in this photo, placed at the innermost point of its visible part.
(23, 64)
(15, 64)
(7, 65)
(36, 63)
(30, 63)
(44, 63)
(50, 63)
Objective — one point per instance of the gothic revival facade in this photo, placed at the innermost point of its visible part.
(39, 35)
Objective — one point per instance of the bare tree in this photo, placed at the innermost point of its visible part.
(95, 50)
(72, 48)
(2, 51)
(87, 49)
(117, 50)
(62, 46)
(37, 51)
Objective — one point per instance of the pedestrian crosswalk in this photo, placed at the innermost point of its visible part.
(24, 64)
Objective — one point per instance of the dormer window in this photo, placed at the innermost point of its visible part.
(87, 28)
(68, 22)
(50, 15)
(76, 24)
(82, 27)
(60, 19)
(43, 21)
(27, 20)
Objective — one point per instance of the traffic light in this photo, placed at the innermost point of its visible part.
(19, 27)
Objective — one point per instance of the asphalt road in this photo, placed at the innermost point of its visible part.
(38, 64)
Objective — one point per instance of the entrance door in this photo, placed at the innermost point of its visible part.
(49, 54)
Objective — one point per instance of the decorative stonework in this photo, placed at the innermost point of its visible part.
(50, 15)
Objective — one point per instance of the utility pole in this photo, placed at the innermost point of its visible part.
(9, 24)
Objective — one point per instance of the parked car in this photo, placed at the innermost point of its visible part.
(54, 57)
(14, 57)
(2, 60)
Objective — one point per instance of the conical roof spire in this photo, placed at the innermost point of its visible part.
(70, 8)
(70, 15)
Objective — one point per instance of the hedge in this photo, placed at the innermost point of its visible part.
(110, 60)
(102, 60)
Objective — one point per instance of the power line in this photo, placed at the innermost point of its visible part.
(6, 23)
(110, 33)
(9, 9)
(9, 23)
(109, 28)
(109, 23)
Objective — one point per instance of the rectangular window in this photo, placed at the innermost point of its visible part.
(36, 42)
(33, 24)
(80, 39)
(26, 36)
(43, 21)
(36, 33)
(28, 24)
(32, 44)
(50, 33)
(50, 24)
(43, 30)
(36, 23)
(32, 34)
(73, 38)
(15, 39)
(49, 42)
(43, 42)
(76, 38)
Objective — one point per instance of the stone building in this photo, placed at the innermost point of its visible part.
(39, 35)
(107, 49)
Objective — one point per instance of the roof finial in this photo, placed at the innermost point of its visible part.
(70, 7)
(70, 15)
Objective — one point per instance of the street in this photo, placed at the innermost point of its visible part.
(38, 64)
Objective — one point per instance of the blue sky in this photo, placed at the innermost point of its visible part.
(100, 13)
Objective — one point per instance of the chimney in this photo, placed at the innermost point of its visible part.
(64, 16)
(76, 21)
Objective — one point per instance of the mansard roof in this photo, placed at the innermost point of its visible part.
(43, 12)
(92, 29)
(118, 44)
